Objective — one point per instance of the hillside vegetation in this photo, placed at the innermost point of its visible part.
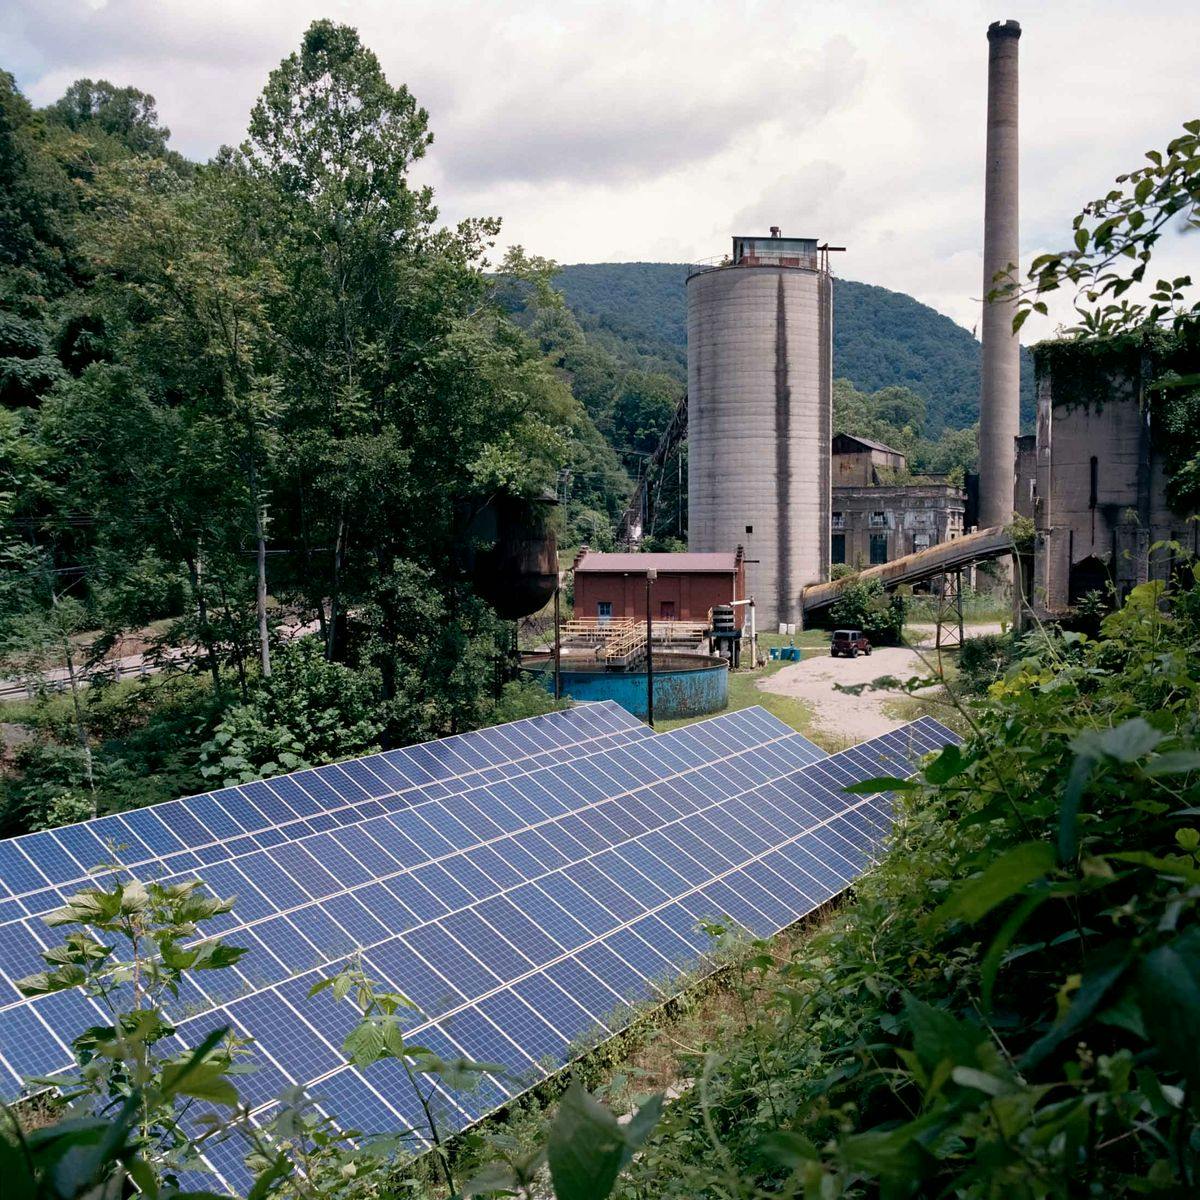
(880, 338)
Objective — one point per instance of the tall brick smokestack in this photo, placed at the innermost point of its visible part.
(1000, 399)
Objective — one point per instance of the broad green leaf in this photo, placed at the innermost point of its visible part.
(939, 1035)
(885, 783)
(1125, 743)
(1105, 970)
(1169, 991)
(949, 762)
(1004, 878)
(588, 1148)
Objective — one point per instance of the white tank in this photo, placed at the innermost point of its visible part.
(760, 391)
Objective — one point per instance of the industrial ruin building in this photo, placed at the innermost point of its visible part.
(612, 587)
(760, 387)
(877, 518)
(1098, 479)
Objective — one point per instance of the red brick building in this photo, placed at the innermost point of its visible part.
(613, 586)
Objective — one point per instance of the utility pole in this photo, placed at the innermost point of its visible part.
(651, 576)
(557, 641)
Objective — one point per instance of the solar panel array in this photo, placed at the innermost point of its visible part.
(524, 912)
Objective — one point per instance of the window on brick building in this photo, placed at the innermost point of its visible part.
(837, 548)
(879, 553)
(604, 610)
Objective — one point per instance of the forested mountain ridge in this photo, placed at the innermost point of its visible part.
(880, 338)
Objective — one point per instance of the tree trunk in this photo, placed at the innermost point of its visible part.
(239, 657)
(205, 631)
(316, 593)
(339, 551)
(80, 727)
(260, 537)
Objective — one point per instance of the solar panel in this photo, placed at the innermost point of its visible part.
(39, 869)
(403, 868)
(526, 936)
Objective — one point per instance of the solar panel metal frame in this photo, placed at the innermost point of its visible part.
(652, 945)
(80, 849)
(511, 1015)
(33, 1051)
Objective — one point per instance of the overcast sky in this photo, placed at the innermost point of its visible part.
(621, 130)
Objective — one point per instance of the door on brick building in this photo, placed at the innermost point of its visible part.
(604, 610)
(666, 610)
(837, 548)
(878, 548)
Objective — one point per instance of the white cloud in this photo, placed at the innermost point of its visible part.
(632, 130)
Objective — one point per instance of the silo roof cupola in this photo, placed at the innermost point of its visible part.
(775, 250)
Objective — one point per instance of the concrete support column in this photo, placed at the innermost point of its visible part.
(1000, 400)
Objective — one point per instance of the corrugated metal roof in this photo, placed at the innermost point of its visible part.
(862, 441)
(639, 564)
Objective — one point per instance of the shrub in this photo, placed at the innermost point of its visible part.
(863, 604)
(307, 712)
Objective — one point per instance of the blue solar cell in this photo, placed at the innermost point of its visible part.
(28, 1046)
(469, 877)
(287, 943)
(502, 873)
(814, 859)
(345, 869)
(435, 945)
(331, 939)
(303, 869)
(443, 885)
(384, 907)
(629, 879)
(557, 1008)
(524, 934)
(796, 903)
(548, 916)
(366, 779)
(225, 880)
(629, 983)
(535, 846)
(480, 826)
(290, 789)
(47, 853)
(575, 828)
(147, 827)
(681, 864)
(424, 835)
(593, 916)
(281, 1033)
(356, 1106)
(642, 957)
(509, 794)
(483, 1095)
(540, 1040)
(590, 992)
(396, 964)
(487, 944)
(347, 785)
(366, 851)
(398, 844)
(85, 847)
(353, 916)
(482, 1042)
(665, 941)
(655, 869)
(588, 877)
(417, 898)
(268, 802)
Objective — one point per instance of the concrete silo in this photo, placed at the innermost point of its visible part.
(760, 389)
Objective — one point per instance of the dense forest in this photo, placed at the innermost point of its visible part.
(880, 338)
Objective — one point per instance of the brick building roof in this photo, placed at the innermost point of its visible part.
(685, 562)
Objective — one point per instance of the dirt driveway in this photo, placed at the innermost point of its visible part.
(856, 718)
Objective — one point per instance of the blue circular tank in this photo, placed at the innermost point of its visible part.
(685, 690)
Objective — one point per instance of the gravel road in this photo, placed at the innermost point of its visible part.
(856, 718)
